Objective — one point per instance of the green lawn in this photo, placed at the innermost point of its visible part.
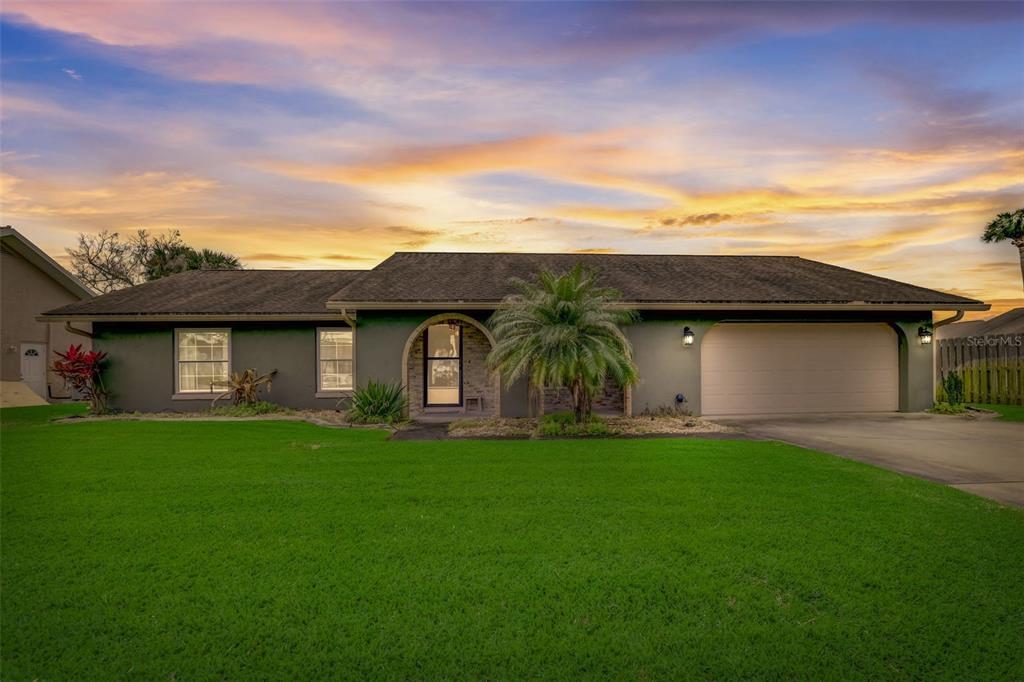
(1010, 413)
(143, 550)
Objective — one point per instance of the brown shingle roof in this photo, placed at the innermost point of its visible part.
(222, 292)
(483, 278)
(408, 277)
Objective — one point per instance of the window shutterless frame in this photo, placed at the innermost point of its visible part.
(177, 359)
(333, 392)
(426, 368)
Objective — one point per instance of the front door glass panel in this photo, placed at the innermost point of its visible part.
(443, 375)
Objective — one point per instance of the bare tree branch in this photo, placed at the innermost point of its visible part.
(106, 262)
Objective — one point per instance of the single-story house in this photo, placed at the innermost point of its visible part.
(30, 283)
(717, 335)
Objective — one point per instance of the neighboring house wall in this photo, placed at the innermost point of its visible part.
(27, 291)
(141, 370)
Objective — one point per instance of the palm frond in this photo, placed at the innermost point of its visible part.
(563, 331)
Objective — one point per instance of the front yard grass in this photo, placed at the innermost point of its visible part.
(1009, 413)
(282, 550)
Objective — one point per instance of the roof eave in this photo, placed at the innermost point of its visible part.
(326, 316)
(490, 305)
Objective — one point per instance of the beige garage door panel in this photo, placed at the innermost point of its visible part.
(799, 368)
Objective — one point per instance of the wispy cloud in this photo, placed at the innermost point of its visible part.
(320, 134)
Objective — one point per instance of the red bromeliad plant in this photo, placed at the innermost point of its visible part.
(81, 371)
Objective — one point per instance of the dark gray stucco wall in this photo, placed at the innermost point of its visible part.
(140, 373)
(140, 370)
(380, 341)
(917, 365)
(668, 368)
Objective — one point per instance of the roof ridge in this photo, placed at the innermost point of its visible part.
(244, 270)
(575, 253)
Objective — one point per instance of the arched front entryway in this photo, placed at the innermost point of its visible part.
(454, 379)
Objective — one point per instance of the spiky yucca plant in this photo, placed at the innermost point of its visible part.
(562, 331)
(377, 403)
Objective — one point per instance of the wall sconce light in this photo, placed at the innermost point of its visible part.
(687, 336)
(924, 335)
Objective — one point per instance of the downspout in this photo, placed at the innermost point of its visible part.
(348, 319)
(74, 330)
(935, 361)
(949, 320)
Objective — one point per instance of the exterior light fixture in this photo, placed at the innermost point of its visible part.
(687, 336)
(924, 335)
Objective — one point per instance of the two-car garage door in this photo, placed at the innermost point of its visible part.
(749, 368)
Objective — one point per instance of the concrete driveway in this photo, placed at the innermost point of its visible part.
(980, 455)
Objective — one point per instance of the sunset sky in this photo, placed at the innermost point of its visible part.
(880, 137)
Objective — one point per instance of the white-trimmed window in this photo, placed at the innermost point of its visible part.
(334, 354)
(202, 360)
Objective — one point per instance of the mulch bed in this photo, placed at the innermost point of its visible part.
(619, 427)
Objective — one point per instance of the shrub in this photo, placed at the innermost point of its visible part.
(250, 409)
(565, 424)
(952, 389)
(948, 408)
(377, 403)
(244, 387)
(665, 411)
(82, 372)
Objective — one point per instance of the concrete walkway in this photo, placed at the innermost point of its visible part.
(980, 455)
(422, 431)
(17, 394)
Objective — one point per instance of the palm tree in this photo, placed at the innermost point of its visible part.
(208, 259)
(1008, 226)
(172, 257)
(563, 332)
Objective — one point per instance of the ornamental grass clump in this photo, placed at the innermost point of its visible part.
(951, 389)
(377, 403)
(564, 424)
(950, 395)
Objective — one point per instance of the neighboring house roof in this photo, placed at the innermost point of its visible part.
(220, 292)
(20, 245)
(1010, 322)
(483, 279)
(408, 277)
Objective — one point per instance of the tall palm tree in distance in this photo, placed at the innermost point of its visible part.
(1008, 226)
(562, 331)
